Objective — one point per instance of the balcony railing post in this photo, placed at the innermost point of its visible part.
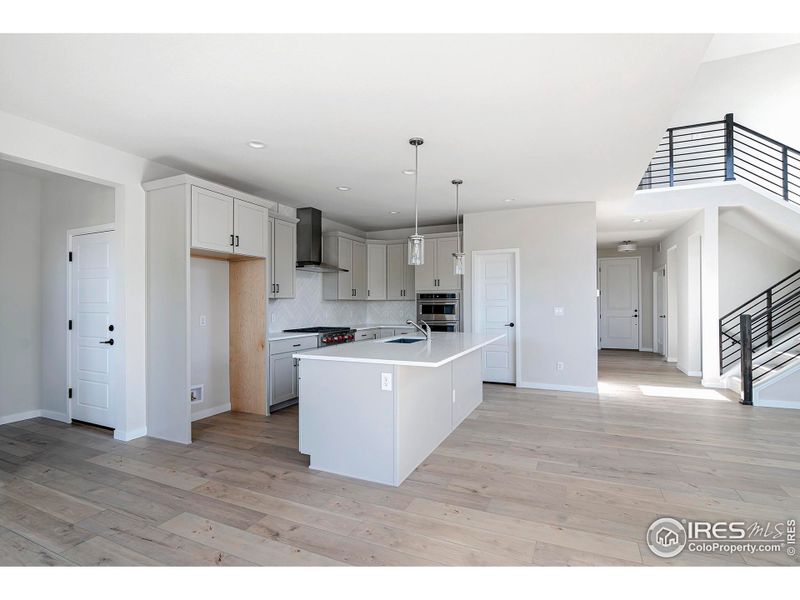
(729, 147)
(769, 318)
(785, 168)
(671, 161)
(746, 362)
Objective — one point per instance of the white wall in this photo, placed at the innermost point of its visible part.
(688, 329)
(645, 285)
(760, 89)
(20, 295)
(210, 344)
(558, 267)
(67, 203)
(38, 145)
(748, 265)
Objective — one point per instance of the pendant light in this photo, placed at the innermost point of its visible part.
(416, 243)
(458, 255)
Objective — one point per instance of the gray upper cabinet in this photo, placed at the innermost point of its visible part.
(225, 224)
(360, 270)
(436, 274)
(399, 274)
(338, 250)
(376, 271)
(283, 252)
(212, 221)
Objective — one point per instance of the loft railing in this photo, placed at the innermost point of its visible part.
(778, 313)
(724, 151)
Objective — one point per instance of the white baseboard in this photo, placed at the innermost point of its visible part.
(132, 434)
(671, 359)
(714, 382)
(557, 387)
(690, 373)
(34, 414)
(23, 416)
(210, 412)
(56, 416)
(646, 349)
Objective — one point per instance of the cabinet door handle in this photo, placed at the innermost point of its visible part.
(237, 241)
(231, 239)
(278, 287)
(296, 345)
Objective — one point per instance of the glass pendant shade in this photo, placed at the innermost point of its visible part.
(416, 250)
(458, 263)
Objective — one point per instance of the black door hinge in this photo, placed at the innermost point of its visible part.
(69, 325)
(69, 393)
(70, 257)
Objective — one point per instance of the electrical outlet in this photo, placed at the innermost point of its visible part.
(203, 321)
(559, 366)
(273, 317)
(386, 382)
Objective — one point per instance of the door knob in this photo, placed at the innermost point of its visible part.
(510, 324)
(109, 342)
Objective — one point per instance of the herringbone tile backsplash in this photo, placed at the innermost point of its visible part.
(308, 309)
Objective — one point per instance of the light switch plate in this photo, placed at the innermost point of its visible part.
(203, 321)
(558, 311)
(386, 382)
(559, 366)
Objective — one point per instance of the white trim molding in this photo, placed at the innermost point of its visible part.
(34, 414)
(127, 436)
(557, 387)
(210, 412)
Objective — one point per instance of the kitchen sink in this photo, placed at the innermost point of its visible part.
(405, 340)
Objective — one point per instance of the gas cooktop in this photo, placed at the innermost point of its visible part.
(328, 335)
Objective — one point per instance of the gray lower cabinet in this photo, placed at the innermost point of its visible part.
(283, 384)
(368, 334)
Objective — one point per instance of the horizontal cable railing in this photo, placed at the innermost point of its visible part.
(724, 151)
(779, 322)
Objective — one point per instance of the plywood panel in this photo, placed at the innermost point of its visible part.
(248, 340)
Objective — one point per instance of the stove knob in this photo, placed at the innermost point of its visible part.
(351, 337)
(325, 340)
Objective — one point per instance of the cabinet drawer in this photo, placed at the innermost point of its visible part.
(367, 334)
(292, 345)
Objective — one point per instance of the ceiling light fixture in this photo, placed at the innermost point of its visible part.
(508, 200)
(394, 212)
(626, 246)
(416, 243)
(408, 171)
(458, 255)
(342, 188)
(640, 220)
(256, 144)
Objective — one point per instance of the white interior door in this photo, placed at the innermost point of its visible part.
(619, 303)
(92, 335)
(494, 312)
(661, 312)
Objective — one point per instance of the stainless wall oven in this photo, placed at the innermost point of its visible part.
(440, 310)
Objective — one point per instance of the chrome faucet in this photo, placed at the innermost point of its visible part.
(426, 332)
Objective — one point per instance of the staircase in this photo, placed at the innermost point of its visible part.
(759, 340)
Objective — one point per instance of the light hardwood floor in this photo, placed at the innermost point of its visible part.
(532, 477)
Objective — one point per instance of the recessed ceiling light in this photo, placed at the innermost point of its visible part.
(408, 171)
(508, 200)
(394, 212)
(257, 144)
(342, 188)
(640, 220)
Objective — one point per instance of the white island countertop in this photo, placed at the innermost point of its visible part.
(441, 349)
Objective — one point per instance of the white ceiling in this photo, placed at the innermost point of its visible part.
(730, 45)
(540, 118)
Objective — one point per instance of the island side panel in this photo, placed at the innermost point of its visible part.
(467, 386)
(346, 420)
(424, 414)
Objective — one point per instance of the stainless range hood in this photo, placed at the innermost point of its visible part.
(309, 242)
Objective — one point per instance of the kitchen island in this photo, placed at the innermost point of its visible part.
(375, 410)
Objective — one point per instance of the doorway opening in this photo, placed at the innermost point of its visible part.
(620, 309)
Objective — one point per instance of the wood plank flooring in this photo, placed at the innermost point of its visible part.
(531, 478)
